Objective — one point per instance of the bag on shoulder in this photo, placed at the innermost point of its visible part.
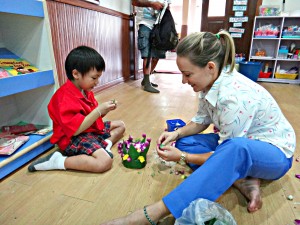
(164, 36)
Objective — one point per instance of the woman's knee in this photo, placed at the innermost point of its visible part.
(185, 141)
(236, 146)
(238, 142)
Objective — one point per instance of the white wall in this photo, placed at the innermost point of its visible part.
(290, 5)
(123, 6)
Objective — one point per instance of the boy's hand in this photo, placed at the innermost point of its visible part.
(105, 107)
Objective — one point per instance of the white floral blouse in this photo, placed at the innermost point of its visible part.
(239, 107)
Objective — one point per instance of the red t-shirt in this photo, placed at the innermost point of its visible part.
(67, 109)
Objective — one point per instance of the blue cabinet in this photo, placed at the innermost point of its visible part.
(25, 34)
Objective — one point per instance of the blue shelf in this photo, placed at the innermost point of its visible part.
(23, 7)
(24, 158)
(20, 83)
(6, 54)
(16, 84)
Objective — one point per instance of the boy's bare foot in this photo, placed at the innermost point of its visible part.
(249, 187)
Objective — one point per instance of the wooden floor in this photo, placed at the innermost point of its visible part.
(79, 198)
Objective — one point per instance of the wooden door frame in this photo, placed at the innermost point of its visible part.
(138, 72)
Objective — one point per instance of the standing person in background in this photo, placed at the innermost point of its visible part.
(255, 141)
(83, 138)
(146, 15)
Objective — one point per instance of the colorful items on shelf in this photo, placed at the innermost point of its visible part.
(19, 128)
(264, 75)
(261, 52)
(3, 73)
(292, 31)
(134, 152)
(239, 57)
(267, 31)
(290, 74)
(10, 143)
(269, 10)
(16, 67)
(290, 52)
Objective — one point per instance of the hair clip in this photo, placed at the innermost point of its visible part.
(218, 36)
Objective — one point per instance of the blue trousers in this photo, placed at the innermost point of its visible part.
(232, 160)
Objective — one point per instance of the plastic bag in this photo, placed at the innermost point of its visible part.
(203, 212)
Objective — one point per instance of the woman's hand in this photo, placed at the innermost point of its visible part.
(167, 137)
(169, 153)
(105, 107)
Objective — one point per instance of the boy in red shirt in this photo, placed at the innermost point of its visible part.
(78, 129)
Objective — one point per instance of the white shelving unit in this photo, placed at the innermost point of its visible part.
(25, 33)
(272, 44)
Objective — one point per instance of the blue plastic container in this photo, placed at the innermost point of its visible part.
(250, 69)
(175, 124)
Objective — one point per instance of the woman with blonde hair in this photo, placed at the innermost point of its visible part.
(255, 141)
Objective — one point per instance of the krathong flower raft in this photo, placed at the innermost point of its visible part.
(134, 152)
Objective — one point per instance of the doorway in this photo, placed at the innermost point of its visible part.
(189, 23)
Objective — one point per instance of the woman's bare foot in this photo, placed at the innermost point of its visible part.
(136, 217)
(155, 211)
(249, 187)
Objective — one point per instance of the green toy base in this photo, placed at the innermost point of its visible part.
(135, 164)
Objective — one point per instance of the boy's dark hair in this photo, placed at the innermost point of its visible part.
(83, 59)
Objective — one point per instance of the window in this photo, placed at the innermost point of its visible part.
(97, 2)
(216, 8)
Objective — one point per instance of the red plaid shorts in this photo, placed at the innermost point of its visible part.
(88, 143)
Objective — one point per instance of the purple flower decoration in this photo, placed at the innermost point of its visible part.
(120, 146)
(130, 139)
(298, 176)
(149, 140)
(137, 145)
(133, 151)
(297, 222)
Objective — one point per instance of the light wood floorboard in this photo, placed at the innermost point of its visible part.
(75, 198)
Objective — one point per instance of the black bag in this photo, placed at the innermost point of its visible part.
(164, 36)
